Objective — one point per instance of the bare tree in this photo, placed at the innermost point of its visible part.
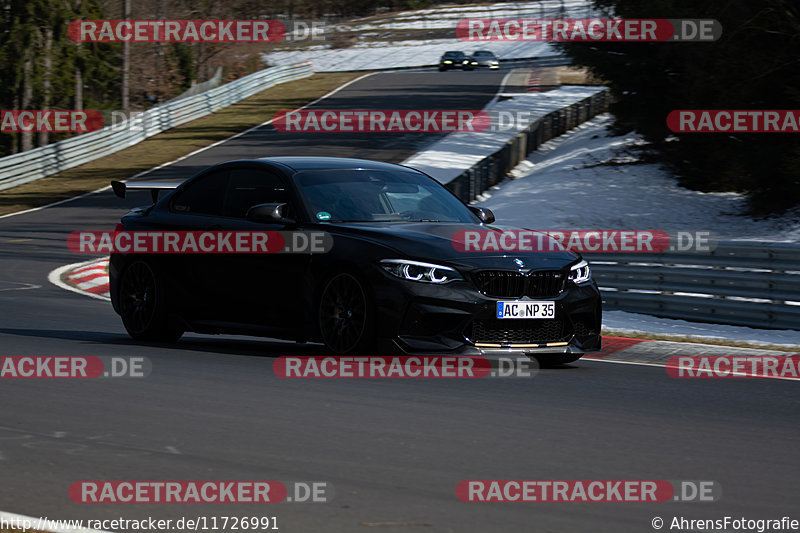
(47, 77)
(78, 102)
(26, 137)
(126, 61)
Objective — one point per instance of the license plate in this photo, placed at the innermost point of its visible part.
(526, 309)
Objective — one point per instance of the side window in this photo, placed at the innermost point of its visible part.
(204, 196)
(250, 186)
(407, 201)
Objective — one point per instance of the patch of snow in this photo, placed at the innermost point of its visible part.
(563, 186)
(447, 158)
(571, 191)
(368, 55)
(624, 323)
(382, 55)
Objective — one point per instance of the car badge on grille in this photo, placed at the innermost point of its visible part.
(519, 263)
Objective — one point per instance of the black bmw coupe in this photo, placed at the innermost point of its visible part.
(391, 281)
(455, 59)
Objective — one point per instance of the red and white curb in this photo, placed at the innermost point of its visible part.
(534, 80)
(88, 277)
(91, 279)
(644, 352)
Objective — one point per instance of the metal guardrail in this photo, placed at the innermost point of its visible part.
(47, 160)
(756, 285)
(522, 62)
(546, 61)
(495, 167)
(742, 284)
(201, 87)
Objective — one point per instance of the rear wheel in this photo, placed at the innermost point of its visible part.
(143, 305)
(345, 315)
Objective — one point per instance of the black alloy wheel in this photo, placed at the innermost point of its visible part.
(345, 315)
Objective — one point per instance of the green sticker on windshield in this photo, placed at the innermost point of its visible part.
(323, 215)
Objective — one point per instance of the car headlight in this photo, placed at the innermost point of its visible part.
(580, 273)
(418, 271)
(447, 62)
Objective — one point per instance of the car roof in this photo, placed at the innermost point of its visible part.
(301, 163)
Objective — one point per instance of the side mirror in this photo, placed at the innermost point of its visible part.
(272, 213)
(483, 213)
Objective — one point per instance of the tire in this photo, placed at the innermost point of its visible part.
(143, 305)
(549, 361)
(346, 319)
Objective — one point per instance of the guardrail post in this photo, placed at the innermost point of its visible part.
(746, 284)
(470, 184)
(31, 165)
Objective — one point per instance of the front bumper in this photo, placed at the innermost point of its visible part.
(461, 66)
(455, 318)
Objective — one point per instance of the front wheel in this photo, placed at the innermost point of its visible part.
(345, 315)
(143, 305)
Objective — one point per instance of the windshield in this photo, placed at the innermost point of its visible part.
(483, 54)
(378, 196)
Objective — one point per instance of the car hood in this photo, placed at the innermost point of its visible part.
(425, 241)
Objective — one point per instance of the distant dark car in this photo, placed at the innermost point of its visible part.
(484, 58)
(454, 59)
(392, 281)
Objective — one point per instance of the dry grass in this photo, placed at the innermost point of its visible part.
(576, 76)
(171, 144)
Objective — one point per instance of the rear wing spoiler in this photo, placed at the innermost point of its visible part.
(121, 187)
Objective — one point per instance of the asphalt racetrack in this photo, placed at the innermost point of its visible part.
(393, 450)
